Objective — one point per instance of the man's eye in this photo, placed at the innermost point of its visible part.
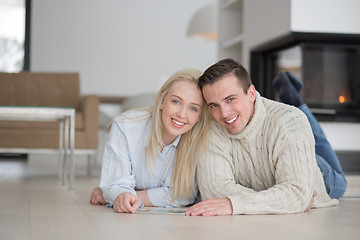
(230, 99)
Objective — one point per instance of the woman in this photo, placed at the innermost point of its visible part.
(151, 154)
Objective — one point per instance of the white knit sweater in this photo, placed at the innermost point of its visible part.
(269, 168)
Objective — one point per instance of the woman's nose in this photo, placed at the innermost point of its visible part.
(182, 112)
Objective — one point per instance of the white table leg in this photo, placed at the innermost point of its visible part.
(66, 153)
(61, 149)
(72, 145)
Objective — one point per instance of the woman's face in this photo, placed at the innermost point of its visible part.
(181, 109)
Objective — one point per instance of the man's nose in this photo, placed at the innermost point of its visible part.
(224, 111)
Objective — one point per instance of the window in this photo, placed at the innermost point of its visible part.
(14, 35)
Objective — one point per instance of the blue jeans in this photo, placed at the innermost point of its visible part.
(326, 158)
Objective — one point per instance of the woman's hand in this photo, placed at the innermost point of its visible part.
(97, 197)
(126, 203)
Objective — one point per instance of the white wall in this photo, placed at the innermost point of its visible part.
(264, 20)
(120, 47)
(342, 136)
(325, 16)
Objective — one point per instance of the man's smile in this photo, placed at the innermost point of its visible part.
(232, 120)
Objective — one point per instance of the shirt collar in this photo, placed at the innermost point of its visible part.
(176, 141)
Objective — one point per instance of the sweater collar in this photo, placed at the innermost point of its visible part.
(255, 124)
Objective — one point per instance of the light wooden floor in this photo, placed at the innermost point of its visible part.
(33, 205)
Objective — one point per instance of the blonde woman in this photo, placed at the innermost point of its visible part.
(151, 154)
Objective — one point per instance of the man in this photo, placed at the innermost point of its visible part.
(261, 153)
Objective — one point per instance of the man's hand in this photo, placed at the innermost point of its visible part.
(97, 197)
(311, 202)
(126, 203)
(211, 207)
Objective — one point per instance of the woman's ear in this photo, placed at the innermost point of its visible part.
(162, 104)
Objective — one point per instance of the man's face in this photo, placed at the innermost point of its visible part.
(228, 103)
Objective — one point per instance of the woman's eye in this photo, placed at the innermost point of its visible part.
(176, 101)
(194, 109)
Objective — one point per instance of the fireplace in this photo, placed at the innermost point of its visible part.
(327, 64)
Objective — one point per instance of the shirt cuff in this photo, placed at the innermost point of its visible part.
(112, 193)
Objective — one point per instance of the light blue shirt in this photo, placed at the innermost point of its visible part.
(124, 166)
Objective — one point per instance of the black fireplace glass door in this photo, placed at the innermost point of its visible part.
(330, 76)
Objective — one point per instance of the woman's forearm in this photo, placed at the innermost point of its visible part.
(144, 197)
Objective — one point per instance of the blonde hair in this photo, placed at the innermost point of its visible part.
(191, 145)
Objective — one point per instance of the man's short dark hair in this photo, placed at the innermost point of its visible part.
(225, 67)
